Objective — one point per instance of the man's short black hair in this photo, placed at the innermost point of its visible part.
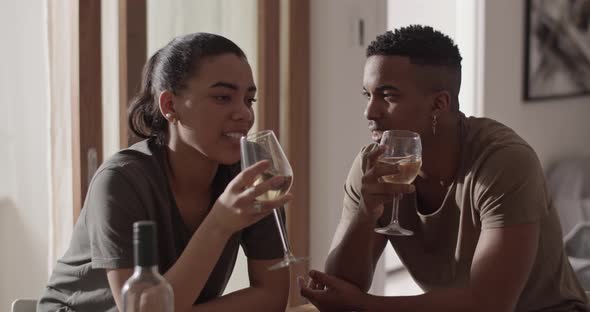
(422, 44)
(436, 55)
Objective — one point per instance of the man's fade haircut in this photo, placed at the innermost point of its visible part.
(427, 47)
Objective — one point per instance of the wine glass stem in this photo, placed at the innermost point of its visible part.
(395, 210)
(282, 232)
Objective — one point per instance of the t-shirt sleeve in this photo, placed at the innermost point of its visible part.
(353, 184)
(352, 195)
(262, 241)
(510, 188)
(113, 206)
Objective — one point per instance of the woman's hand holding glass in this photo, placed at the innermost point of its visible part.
(264, 145)
(237, 207)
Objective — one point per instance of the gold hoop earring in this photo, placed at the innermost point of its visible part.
(434, 122)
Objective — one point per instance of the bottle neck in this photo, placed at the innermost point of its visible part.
(146, 270)
(145, 251)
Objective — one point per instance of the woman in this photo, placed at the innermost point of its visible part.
(195, 103)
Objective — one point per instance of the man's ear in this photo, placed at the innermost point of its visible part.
(442, 102)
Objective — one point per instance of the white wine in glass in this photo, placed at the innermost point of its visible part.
(265, 146)
(403, 149)
(275, 192)
(408, 167)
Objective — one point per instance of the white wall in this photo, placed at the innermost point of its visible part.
(555, 128)
(440, 14)
(338, 127)
(24, 154)
(460, 20)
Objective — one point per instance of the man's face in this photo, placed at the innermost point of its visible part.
(396, 100)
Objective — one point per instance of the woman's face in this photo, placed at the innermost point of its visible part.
(215, 107)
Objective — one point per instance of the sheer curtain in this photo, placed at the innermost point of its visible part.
(24, 172)
(62, 33)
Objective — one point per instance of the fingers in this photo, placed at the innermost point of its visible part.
(326, 280)
(313, 284)
(372, 156)
(318, 285)
(274, 183)
(380, 169)
(300, 282)
(311, 294)
(266, 206)
(248, 175)
(306, 290)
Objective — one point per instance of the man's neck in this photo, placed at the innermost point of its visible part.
(441, 152)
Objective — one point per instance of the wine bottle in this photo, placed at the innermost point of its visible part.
(146, 289)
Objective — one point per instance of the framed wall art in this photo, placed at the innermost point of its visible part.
(557, 49)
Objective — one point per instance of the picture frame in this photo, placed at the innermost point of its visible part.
(557, 49)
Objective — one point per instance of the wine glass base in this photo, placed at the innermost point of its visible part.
(287, 262)
(394, 230)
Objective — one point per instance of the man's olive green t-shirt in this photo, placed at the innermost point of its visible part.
(132, 186)
(499, 183)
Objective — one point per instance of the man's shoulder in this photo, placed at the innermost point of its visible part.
(485, 132)
(496, 152)
(484, 138)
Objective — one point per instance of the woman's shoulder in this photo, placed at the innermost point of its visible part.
(131, 175)
(139, 161)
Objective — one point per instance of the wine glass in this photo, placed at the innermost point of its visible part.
(403, 149)
(264, 145)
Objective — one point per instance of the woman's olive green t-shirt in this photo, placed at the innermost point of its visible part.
(132, 186)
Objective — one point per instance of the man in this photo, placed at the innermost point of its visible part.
(486, 236)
